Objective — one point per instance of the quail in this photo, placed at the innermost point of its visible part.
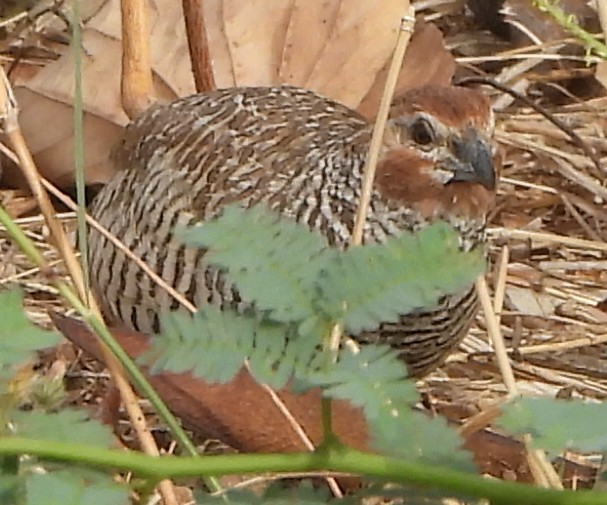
(302, 155)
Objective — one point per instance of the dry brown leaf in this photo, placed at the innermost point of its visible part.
(256, 32)
(335, 48)
(601, 73)
(531, 303)
(301, 51)
(427, 61)
(47, 115)
(46, 98)
(361, 43)
(219, 48)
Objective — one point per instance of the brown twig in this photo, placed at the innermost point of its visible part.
(495, 334)
(137, 87)
(193, 12)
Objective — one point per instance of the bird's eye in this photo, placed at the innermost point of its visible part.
(422, 132)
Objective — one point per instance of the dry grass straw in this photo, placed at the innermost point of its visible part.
(552, 218)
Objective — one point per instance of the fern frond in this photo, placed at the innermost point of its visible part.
(373, 380)
(73, 426)
(381, 282)
(19, 337)
(72, 488)
(211, 343)
(558, 424)
(214, 344)
(273, 261)
(367, 379)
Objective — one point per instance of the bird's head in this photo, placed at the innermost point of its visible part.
(437, 156)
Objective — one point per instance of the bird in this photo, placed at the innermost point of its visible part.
(302, 155)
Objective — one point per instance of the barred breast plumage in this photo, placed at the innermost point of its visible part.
(302, 155)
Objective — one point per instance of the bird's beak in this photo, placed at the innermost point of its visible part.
(473, 161)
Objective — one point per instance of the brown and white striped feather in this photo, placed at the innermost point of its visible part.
(297, 152)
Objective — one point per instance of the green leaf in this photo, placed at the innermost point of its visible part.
(370, 379)
(556, 425)
(414, 435)
(19, 337)
(10, 488)
(374, 380)
(381, 282)
(214, 344)
(68, 488)
(273, 261)
(71, 426)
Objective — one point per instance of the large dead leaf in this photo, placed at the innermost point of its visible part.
(256, 32)
(340, 49)
(361, 43)
(426, 62)
(301, 51)
(219, 48)
(46, 98)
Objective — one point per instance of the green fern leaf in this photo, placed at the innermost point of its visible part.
(214, 344)
(69, 488)
(19, 338)
(211, 343)
(381, 282)
(71, 426)
(580, 425)
(369, 379)
(373, 379)
(417, 436)
(273, 261)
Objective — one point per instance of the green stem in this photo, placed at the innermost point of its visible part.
(570, 23)
(141, 383)
(326, 412)
(79, 143)
(336, 458)
(99, 327)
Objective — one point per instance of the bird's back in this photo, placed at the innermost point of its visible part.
(182, 162)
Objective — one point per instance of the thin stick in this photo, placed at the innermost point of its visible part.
(500, 284)
(404, 35)
(578, 243)
(193, 12)
(542, 470)
(298, 429)
(495, 334)
(562, 346)
(136, 85)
